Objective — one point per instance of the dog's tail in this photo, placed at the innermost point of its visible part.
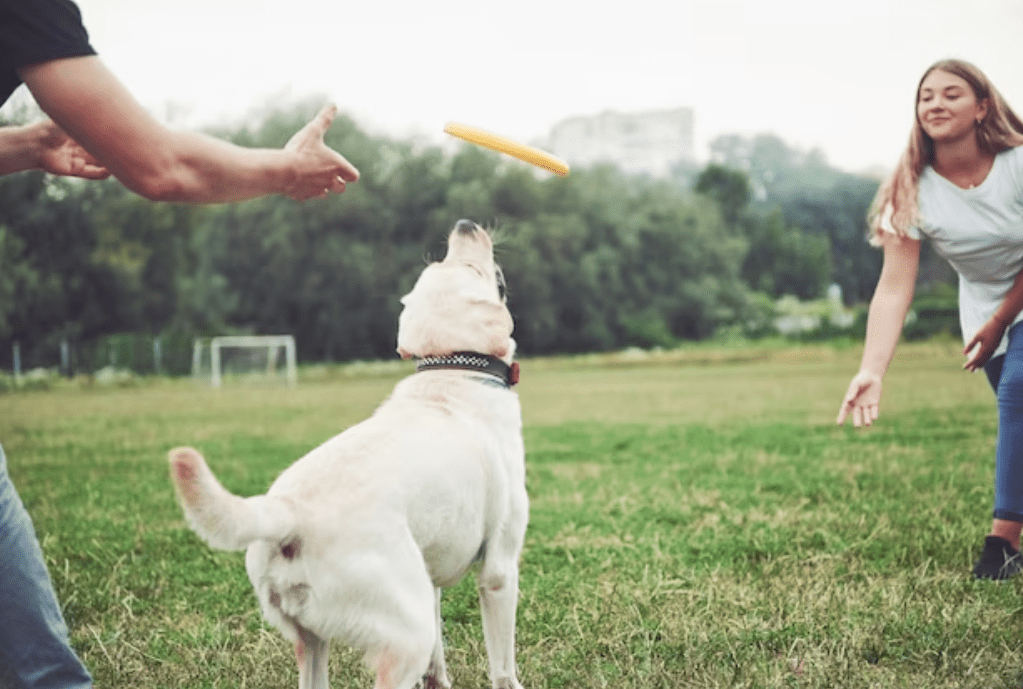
(224, 520)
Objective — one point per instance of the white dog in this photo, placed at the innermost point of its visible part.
(356, 539)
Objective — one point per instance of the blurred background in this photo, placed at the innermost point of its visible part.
(724, 156)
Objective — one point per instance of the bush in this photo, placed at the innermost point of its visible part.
(36, 379)
(936, 313)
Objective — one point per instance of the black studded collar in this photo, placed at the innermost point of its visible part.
(475, 362)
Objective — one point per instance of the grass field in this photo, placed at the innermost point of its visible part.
(697, 520)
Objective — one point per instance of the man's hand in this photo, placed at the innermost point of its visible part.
(180, 167)
(319, 169)
(59, 154)
(45, 146)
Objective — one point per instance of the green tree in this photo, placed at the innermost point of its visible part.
(597, 260)
(785, 260)
(728, 188)
(838, 214)
(781, 258)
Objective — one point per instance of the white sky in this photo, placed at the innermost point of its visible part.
(839, 76)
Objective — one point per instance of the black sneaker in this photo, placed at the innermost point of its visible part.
(998, 560)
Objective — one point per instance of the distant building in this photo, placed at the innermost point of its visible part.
(649, 143)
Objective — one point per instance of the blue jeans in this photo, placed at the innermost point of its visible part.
(34, 648)
(1005, 373)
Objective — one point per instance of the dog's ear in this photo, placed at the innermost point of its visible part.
(493, 325)
(403, 326)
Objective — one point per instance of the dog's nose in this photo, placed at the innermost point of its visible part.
(465, 227)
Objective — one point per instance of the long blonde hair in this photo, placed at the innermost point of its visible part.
(1001, 129)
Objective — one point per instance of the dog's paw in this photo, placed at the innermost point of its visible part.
(431, 681)
(507, 683)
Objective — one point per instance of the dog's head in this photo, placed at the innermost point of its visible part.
(458, 304)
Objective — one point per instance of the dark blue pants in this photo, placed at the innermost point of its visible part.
(34, 648)
(1005, 373)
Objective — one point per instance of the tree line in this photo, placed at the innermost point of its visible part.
(594, 261)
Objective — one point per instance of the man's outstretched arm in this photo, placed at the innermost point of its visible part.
(89, 103)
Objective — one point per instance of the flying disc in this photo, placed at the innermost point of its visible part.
(505, 145)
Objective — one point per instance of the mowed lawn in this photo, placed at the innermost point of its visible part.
(697, 520)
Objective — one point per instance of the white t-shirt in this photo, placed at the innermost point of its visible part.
(979, 232)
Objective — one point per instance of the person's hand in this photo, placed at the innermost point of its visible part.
(863, 399)
(983, 344)
(60, 155)
(320, 170)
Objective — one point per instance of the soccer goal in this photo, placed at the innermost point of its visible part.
(257, 358)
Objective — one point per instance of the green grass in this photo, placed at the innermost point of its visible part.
(697, 520)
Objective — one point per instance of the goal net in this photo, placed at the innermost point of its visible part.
(248, 358)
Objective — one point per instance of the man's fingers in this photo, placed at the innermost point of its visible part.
(349, 173)
(339, 185)
(325, 118)
(93, 172)
(322, 170)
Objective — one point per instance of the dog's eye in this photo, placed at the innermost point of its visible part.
(502, 287)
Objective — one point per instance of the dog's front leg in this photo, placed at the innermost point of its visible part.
(437, 675)
(311, 652)
(499, 593)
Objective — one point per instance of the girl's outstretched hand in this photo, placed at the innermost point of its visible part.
(862, 399)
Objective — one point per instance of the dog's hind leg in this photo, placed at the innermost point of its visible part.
(405, 629)
(398, 669)
(311, 652)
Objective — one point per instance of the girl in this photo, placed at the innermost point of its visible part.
(959, 184)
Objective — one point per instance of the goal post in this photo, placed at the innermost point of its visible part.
(272, 346)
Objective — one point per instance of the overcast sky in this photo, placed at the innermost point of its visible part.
(839, 76)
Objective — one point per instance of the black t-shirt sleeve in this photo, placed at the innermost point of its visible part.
(34, 31)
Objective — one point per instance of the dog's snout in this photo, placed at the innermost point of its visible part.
(469, 242)
(466, 227)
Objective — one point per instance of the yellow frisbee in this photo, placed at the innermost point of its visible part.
(502, 144)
